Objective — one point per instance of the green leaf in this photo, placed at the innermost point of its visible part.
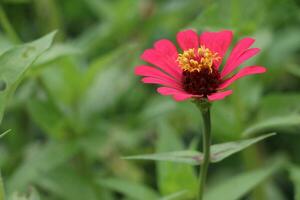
(185, 156)
(61, 81)
(285, 104)
(68, 184)
(294, 69)
(288, 123)
(40, 159)
(97, 82)
(48, 117)
(178, 195)
(286, 45)
(222, 151)
(129, 189)
(56, 52)
(236, 187)
(2, 191)
(172, 177)
(15, 62)
(218, 152)
(32, 194)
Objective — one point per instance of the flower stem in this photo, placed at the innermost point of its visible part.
(205, 111)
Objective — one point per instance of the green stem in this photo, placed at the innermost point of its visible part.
(205, 111)
(7, 27)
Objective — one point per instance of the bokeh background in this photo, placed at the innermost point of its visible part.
(80, 108)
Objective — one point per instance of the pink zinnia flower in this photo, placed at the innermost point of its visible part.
(195, 72)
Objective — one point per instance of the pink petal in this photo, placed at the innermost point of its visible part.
(177, 94)
(182, 97)
(153, 72)
(167, 48)
(240, 47)
(158, 59)
(171, 84)
(219, 95)
(169, 91)
(188, 39)
(217, 42)
(243, 72)
(238, 50)
(242, 58)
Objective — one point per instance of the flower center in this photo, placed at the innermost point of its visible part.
(199, 74)
(196, 60)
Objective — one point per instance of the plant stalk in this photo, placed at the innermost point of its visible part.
(206, 135)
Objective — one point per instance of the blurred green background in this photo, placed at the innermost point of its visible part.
(80, 108)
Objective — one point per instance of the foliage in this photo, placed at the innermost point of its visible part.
(75, 108)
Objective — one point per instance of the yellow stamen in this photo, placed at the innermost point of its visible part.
(191, 60)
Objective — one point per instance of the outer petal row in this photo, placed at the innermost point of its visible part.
(151, 80)
(166, 48)
(156, 58)
(177, 94)
(238, 55)
(219, 95)
(187, 39)
(155, 76)
(243, 72)
(163, 56)
(181, 95)
(144, 70)
(218, 42)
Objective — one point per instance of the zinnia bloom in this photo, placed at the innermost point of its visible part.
(194, 72)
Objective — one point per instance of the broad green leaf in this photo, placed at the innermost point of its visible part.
(101, 8)
(185, 156)
(129, 189)
(172, 177)
(285, 104)
(295, 177)
(32, 194)
(285, 118)
(61, 81)
(294, 69)
(273, 191)
(5, 44)
(222, 114)
(238, 186)
(101, 38)
(55, 113)
(2, 191)
(98, 65)
(218, 152)
(288, 123)
(222, 151)
(15, 62)
(286, 45)
(46, 115)
(56, 52)
(178, 195)
(108, 84)
(40, 159)
(68, 184)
